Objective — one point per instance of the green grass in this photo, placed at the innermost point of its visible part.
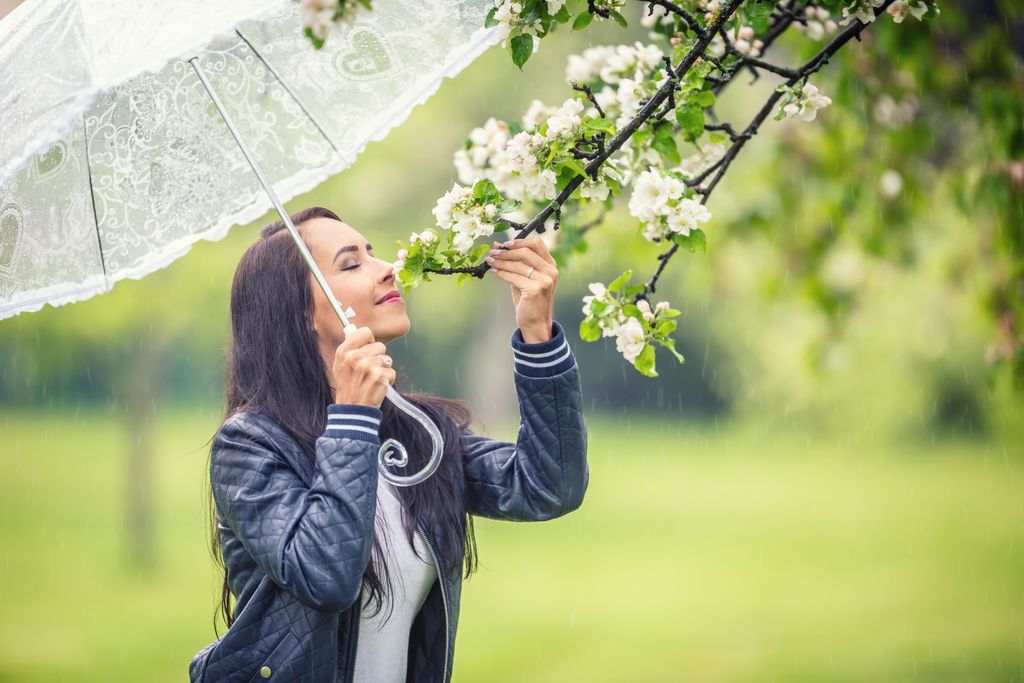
(701, 553)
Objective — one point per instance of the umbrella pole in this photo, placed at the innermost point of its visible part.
(385, 457)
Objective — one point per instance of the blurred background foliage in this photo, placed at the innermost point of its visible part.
(828, 488)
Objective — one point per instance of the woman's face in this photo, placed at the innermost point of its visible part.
(358, 280)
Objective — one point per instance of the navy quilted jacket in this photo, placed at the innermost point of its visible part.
(296, 538)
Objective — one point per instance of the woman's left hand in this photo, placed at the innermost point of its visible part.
(533, 297)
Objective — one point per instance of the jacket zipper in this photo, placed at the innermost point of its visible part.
(444, 601)
(355, 650)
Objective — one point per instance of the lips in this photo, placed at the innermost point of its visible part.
(393, 294)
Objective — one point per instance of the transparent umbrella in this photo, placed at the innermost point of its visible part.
(134, 129)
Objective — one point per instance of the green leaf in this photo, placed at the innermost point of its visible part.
(317, 42)
(617, 283)
(582, 21)
(522, 48)
(590, 330)
(758, 15)
(670, 344)
(645, 361)
(408, 279)
(574, 165)
(705, 98)
(633, 311)
(597, 308)
(477, 252)
(508, 205)
(633, 290)
(619, 19)
(599, 123)
(562, 15)
(695, 241)
(666, 147)
(665, 328)
(613, 185)
(485, 190)
(489, 20)
(563, 177)
(691, 118)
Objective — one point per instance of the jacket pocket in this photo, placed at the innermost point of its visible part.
(273, 665)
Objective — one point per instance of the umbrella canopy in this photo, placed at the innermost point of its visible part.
(162, 124)
(115, 159)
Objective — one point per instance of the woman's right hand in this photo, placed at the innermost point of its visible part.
(359, 377)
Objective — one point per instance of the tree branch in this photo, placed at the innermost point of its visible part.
(810, 67)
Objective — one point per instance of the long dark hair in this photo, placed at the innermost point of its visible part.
(274, 367)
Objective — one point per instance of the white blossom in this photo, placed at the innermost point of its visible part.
(443, 211)
(318, 15)
(630, 339)
(612, 63)
(645, 310)
(860, 9)
(899, 9)
(710, 154)
(536, 114)
(565, 120)
(482, 159)
(843, 268)
(507, 12)
(659, 14)
(428, 236)
(457, 211)
(893, 114)
(595, 191)
(890, 184)
(658, 202)
(807, 104)
(649, 197)
(685, 216)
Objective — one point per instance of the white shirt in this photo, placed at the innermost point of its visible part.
(382, 648)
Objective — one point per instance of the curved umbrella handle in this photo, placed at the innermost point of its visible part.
(437, 446)
(383, 457)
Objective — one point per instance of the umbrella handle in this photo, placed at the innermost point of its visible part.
(384, 457)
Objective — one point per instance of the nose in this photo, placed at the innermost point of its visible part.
(387, 271)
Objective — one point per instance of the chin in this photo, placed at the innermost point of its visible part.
(393, 329)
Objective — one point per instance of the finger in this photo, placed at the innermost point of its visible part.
(358, 336)
(521, 268)
(535, 244)
(520, 281)
(525, 255)
(371, 349)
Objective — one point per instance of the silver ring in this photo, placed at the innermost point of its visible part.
(529, 273)
(385, 361)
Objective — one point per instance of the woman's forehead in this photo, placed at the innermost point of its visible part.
(328, 233)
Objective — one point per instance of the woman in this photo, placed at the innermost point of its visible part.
(314, 542)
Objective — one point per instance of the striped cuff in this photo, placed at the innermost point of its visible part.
(543, 359)
(353, 421)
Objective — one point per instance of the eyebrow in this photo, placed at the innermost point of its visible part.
(350, 247)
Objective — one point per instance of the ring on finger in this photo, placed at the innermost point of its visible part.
(385, 361)
(529, 273)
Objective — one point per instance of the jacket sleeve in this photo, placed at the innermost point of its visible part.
(314, 542)
(544, 474)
